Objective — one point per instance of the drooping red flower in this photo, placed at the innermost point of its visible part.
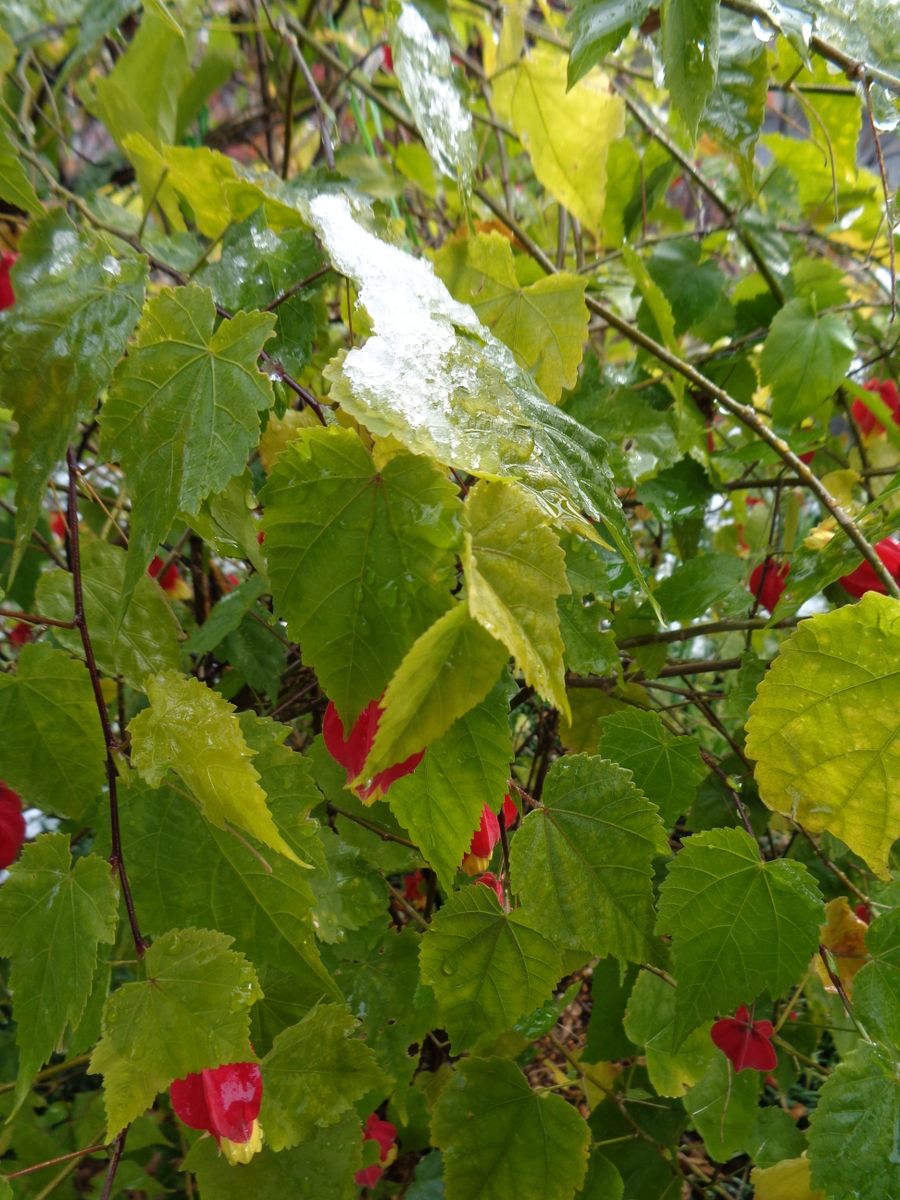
(486, 837)
(169, 580)
(385, 1134)
(864, 579)
(748, 1044)
(225, 1102)
(767, 582)
(58, 526)
(12, 825)
(7, 295)
(21, 633)
(352, 750)
(868, 423)
(387, 61)
(489, 879)
(414, 889)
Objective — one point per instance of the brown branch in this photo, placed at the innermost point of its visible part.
(114, 1165)
(34, 619)
(52, 1162)
(706, 630)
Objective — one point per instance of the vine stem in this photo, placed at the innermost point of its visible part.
(114, 1165)
(116, 859)
(33, 619)
(52, 1162)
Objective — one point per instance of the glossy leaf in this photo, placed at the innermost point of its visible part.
(736, 106)
(487, 968)
(690, 50)
(804, 358)
(361, 559)
(314, 1073)
(833, 684)
(52, 749)
(582, 861)
(191, 1012)
(514, 569)
(192, 731)
(183, 411)
(501, 1139)
(718, 901)
(667, 769)
(53, 918)
(597, 28)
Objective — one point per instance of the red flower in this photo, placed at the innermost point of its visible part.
(223, 1101)
(768, 581)
(353, 750)
(58, 526)
(21, 633)
(748, 1044)
(12, 825)
(169, 580)
(486, 837)
(864, 913)
(387, 61)
(489, 879)
(414, 890)
(868, 423)
(385, 1134)
(864, 579)
(261, 537)
(7, 296)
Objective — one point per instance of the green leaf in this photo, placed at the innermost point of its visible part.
(650, 1022)
(433, 377)
(53, 916)
(667, 769)
(500, 1139)
(718, 900)
(514, 569)
(876, 989)
(695, 290)
(361, 559)
(183, 411)
(488, 968)
(225, 617)
(52, 750)
(15, 186)
(544, 324)
(425, 74)
(690, 51)
(191, 730)
(449, 670)
(567, 131)
(834, 685)
(736, 106)
(321, 1169)
(708, 581)
(76, 304)
(597, 28)
(582, 861)
(147, 638)
(440, 804)
(804, 358)
(315, 1072)
(853, 1131)
(723, 1107)
(192, 1011)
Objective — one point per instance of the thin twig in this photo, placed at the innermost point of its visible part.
(114, 1165)
(879, 154)
(34, 619)
(52, 1162)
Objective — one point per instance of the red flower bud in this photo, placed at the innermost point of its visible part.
(169, 579)
(351, 750)
(21, 633)
(748, 1044)
(225, 1102)
(768, 581)
(12, 825)
(864, 913)
(414, 890)
(864, 579)
(58, 526)
(868, 423)
(385, 1134)
(489, 879)
(261, 537)
(7, 296)
(387, 61)
(486, 836)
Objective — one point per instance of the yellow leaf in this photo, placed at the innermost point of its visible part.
(844, 934)
(787, 1180)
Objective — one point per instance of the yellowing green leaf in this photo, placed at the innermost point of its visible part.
(544, 324)
(191, 730)
(649, 1022)
(567, 132)
(824, 727)
(515, 569)
(787, 1180)
(192, 1011)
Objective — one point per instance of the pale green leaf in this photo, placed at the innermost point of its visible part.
(567, 132)
(425, 74)
(544, 324)
(582, 861)
(487, 968)
(53, 916)
(824, 727)
(361, 560)
(667, 769)
(183, 411)
(723, 1106)
(597, 28)
(314, 1073)
(785, 1180)
(649, 1022)
(191, 1011)
(145, 641)
(191, 730)
(449, 670)
(739, 926)
(500, 1139)
(440, 804)
(804, 358)
(514, 569)
(690, 50)
(876, 989)
(15, 186)
(76, 304)
(853, 1131)
(52, 749)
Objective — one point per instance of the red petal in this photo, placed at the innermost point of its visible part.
(747, 1046)
(385, 1134)
(12, 833)
(489, 879)
(510, 812)
(864, 579)
(189, 1102)
(486, 836)
(351, 752)
(383, 780)
(233, 1097)
(58, 526)
(7, 296)
(21, 633)
(768, 581)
